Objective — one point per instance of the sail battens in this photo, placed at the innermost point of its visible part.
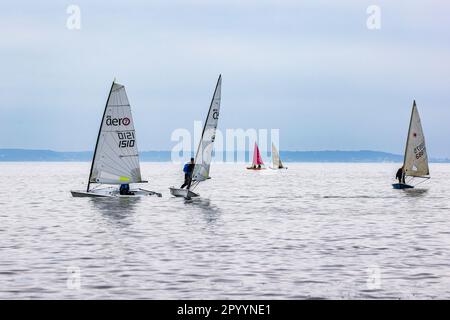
(116, 158)
(131, 155)
(416, 158)
(204, 152)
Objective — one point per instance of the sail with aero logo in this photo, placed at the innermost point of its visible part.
(202, 160)
(416, 158)
(116, 157)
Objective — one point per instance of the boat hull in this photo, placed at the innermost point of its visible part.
(185, 193)
(257, 169)
(400, 186)
(112, 193)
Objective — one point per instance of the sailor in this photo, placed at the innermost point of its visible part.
(188, 170)
(400, 175)
(259, 166)
(125, 189)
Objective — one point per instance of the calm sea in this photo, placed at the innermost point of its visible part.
(312, 231)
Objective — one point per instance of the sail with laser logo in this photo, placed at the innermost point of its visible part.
(416, 158)
(116, 157)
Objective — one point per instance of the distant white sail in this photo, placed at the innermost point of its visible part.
(276, 161)
(205, 148)
(416, 158)
(116, 157)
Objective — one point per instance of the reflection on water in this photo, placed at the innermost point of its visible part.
(415, 193)
(116, 210)
(314, 230)
(118, 205)
(209, 212)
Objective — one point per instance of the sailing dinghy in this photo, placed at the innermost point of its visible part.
(276, 161)
(205, 147)
(257, 160)
(116, 157)
(415, 163)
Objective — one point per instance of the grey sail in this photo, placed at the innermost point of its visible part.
(116, 157)
(276, 161)
(205, 148)
(416, 158)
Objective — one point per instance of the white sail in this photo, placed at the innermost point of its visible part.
(416, 158)
(276, 161)
(205, 148)
(116, 158)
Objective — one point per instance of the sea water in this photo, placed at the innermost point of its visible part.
(313, 231)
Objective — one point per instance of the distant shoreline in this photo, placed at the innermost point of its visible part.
(361, 156)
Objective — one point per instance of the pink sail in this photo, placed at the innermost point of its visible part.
(257, 156)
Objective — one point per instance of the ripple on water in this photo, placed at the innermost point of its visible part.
(270, 236)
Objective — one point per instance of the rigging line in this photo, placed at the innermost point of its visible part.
(425, 179)
(193, 185)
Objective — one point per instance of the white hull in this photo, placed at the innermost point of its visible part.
(185, 193)
(113, 193)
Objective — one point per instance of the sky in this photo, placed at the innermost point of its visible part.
(312, 69)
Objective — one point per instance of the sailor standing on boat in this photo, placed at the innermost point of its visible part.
(400, 175)
(124, 190)
(188, 170)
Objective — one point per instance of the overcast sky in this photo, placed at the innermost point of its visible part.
(310, 68)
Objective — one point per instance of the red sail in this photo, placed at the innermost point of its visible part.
(257, 156)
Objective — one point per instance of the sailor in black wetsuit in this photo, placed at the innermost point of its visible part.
(188, 170)
(125, 190)
(400, 175)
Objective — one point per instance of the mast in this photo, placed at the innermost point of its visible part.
(409, 132)
(98, 136)
(204, 127)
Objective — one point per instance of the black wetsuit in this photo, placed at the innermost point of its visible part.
(125, 190)
(188, 175)
(400, 176)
